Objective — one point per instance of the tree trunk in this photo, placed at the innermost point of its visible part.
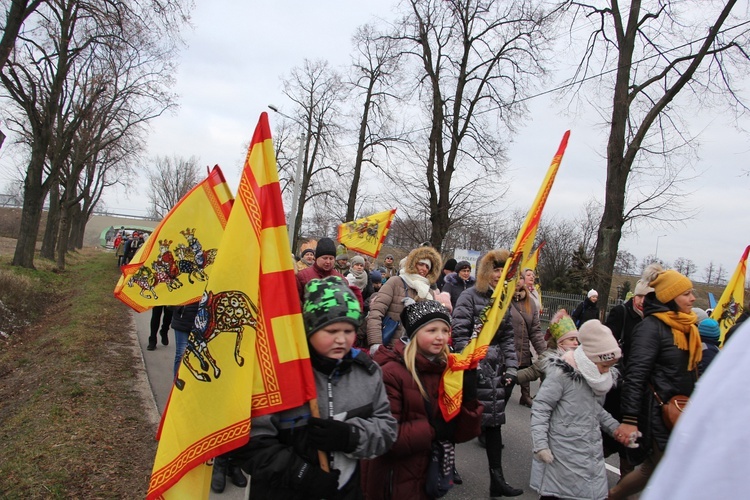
(351, 203)
(62, 241)
(49, 240)
(33, 202)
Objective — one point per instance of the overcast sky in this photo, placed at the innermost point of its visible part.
(238, 53)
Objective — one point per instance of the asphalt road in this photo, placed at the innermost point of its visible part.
(471, 459)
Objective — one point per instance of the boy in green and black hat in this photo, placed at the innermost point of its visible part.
(355, 418)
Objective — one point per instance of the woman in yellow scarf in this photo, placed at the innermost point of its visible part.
(662, 355)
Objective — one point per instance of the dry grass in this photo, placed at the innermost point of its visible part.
(72, 424)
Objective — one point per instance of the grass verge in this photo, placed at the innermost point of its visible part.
(72, 423)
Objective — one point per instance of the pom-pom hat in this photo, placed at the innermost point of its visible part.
(668, 284)
(598, 343)
(417, 314)
(329, 300)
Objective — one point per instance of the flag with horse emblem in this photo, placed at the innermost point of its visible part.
(172, 266)
(366, 235)
(732, 301)
(451, 383)
(247, 352)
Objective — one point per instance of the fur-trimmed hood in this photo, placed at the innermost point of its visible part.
(420, 253)
(486, 265)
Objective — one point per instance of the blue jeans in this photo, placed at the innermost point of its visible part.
(181, 340)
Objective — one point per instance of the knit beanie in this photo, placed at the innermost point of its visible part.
(562, 327)
(462, 264)
(329, 300)
(700, 313)
(417, 314)
(306, 251)
(376, 276)
(670, 284)
(709, 328)
(642, 288)
(325, 246)
(342, 255)
(450, 265)
(592, 293)
(598, 343)
(357, 259)
(426, 262)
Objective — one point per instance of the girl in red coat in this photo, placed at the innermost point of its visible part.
(412, 369)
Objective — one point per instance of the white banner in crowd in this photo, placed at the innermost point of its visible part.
(471, 256)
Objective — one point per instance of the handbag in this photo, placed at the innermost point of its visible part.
(390, 326)
(672, 409)
(440, 470)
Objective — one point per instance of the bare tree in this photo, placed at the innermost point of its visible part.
(169, 179)
(657, 56)
(684, 266)
(316, 90)
(626, 263)
(477, 59)
(39, 79)
(374, 72)
(16, 14)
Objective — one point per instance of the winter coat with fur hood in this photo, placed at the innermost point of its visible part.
(566, 418)
(501, 354)
(389, 299)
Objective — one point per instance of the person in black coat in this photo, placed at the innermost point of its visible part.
(622, 320)
(665, 350)
(457, 282)
(586, 310)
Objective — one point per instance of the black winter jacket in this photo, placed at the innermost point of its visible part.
(454, 285)
(653, 359)
(183, 317)
(501, 354)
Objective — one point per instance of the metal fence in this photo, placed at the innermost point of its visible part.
(553, 301)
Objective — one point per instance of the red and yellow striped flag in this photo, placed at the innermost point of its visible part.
(172, 266)
(247, 353)
(732, 301)
(366, 235)
(451, 386)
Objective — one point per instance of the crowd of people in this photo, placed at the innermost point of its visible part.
(379, 336)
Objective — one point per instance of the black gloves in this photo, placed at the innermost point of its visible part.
(510, 379)
(317, 483)
(470, 385)
(332, 435)
(444, 431)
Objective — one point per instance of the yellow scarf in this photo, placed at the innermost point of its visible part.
(682, 323)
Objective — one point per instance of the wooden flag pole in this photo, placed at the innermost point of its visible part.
(315, 412)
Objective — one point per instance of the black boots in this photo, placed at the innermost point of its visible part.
(224, 467)
(236, 476)
(498, 486)
(219, 475)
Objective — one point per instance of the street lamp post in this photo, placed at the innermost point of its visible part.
(296, 182)
(656, 252)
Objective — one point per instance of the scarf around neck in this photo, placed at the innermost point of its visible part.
(600, 383)
(359, 278)
(682, 323)
(419, 283)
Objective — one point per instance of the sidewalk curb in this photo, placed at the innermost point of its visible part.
(142, 384)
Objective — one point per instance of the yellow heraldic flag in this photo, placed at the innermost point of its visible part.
(247, 352)
(172, 266)
(732, 301)
(451, 386)
(532, 263)
(366, 235)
